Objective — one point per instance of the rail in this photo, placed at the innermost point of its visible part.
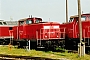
(15, 57)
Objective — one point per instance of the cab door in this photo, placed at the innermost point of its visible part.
(21, 25)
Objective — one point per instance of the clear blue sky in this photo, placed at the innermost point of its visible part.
(53, 9)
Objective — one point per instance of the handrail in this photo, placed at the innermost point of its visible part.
(63, 33)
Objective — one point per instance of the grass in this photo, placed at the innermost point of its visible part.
(48, 54)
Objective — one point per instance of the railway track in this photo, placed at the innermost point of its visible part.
(14, 57)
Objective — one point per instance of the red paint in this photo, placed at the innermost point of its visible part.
(37, 30)
(71, 28)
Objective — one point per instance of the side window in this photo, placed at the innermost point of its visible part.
(21, 22)
(83, 18)
(1, 23)
(28, 21)
(71, 19)
(37, 21)
(4, 23)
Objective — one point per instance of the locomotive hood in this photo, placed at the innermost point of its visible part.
(49, 23)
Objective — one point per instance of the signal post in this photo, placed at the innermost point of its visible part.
(81, 47)
(66, 11)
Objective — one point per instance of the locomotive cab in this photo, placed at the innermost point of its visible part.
(72, 31)
(40, 34)
(30, 21)
(84, 17)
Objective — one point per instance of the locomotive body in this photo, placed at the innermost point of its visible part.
(5, 32)
(72, 31)
(85, 18)
(41, 34)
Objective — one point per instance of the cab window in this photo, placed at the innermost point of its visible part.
(83, 18)
(21, 22)
(1, 23)
(28, 21)
(37, 21)
(4, 23)
(71, 19)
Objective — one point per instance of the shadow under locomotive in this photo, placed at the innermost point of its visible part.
(40, 44)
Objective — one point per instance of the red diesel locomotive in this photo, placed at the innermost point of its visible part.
(72, 31)
(46, 34)
(5, 31)
(40, 34)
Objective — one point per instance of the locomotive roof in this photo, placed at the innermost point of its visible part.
(23, 19)
(77, 15)
(1, 20)
(28, 18)
(49, 23)
(12, 23)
